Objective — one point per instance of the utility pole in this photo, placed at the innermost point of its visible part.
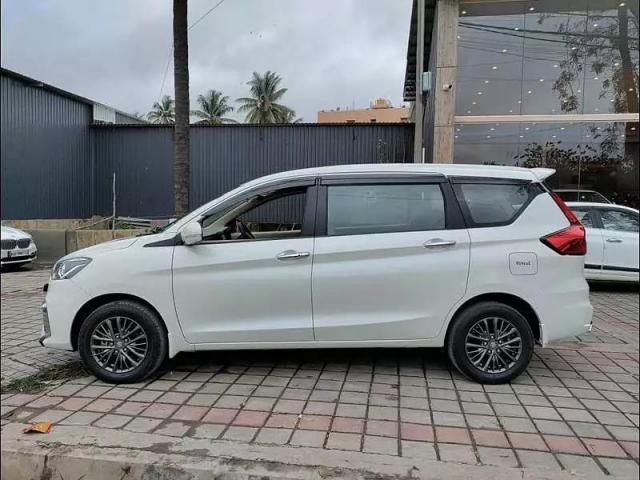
(418, 109)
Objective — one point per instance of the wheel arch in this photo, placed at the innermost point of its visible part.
(101, 300)
(518, 303)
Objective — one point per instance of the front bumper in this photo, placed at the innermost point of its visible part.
(7, 260)
(46, 328)
(63, 301)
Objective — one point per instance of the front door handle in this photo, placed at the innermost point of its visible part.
(438, 242)
(614, 240)
(291, 254)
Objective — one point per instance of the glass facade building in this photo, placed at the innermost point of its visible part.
(551, 84)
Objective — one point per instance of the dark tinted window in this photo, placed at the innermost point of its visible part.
(568, 196)
(619, 220)
(491, 204)
(361, 209)
(584, 216)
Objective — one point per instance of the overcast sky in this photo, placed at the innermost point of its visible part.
(329, 52)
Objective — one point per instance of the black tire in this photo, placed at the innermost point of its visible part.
(474, 316)
(148, 321)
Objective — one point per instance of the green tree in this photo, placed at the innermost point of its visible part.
(181, 129)
(213, 108)
(163, 111)
(262, 106)
(290, 117)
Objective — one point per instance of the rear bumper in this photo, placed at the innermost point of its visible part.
(569, 316)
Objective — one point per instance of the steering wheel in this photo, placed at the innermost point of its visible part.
(243, 230)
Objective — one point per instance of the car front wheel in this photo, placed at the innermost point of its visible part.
(122, 341)
(491, 342)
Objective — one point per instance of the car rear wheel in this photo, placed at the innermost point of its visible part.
(122, 341)
(491, 342)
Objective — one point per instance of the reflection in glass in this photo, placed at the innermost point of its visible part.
(569, 56)
(596, 156)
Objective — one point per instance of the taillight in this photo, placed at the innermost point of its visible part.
(568, 241)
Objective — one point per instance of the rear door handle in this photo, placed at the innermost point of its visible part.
(291, 254)
(438, 242)
(614, 240)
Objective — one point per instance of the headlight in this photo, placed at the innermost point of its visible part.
(69, 268)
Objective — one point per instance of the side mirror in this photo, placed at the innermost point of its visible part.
(191, 234)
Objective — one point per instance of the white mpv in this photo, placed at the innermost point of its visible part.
(483, 261)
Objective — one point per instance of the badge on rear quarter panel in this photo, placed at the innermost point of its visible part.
(523, 263)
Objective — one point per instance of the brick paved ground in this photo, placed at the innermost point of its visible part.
(21, 324)
(576, 408)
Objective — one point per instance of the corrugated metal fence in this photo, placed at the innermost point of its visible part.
(46, 153)
(223, 157)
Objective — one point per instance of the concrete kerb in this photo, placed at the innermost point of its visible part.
(100, 454)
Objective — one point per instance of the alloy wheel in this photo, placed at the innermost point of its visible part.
(119, 344)
(493, 345)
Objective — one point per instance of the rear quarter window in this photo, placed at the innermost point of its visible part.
(489, 204)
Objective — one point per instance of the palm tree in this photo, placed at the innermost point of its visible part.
(290, 117)
(213, 106)
(163, 111)
(181, 130)
(262, 106)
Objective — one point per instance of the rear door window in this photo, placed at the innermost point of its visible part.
(619, 220)
(388, 208)
(489, 204)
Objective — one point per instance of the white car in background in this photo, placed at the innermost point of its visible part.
(612, 241)
(18, 247)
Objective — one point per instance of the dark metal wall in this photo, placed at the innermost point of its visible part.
(45, 153)
(223, 157)
(142, 159)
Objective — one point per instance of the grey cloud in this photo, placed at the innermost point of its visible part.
(330, 53)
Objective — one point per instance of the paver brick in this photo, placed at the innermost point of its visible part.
(604, 448)
(308, 438)
(190, 413)
(385, 445)
(112, 421)
(250, 418)
(344, 441)
(314, 422)
(416, 432)
(102, 405)
(457, 453)
(276, 436)
(501, 457)
(142, 425)
(562, 444)
(529, 441)
(75, 403)
(220, 415)
(491, 438)
(452, 435)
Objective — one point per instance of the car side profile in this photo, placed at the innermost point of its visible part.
(481, 260)
(612, 241)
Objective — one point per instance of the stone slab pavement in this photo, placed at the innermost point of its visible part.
(575, 410)
(20, 325)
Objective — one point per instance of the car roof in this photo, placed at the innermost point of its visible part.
(601, 205)
(487, 171)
